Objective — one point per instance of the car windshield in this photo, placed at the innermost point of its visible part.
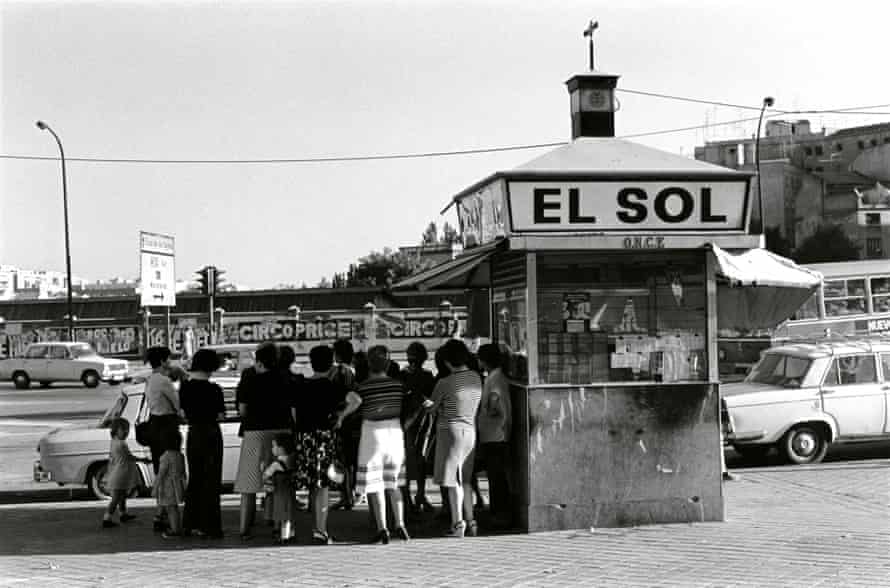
(779, 369)
(82, 350)
(116, 410)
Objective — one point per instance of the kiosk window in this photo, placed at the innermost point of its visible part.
(621, 318)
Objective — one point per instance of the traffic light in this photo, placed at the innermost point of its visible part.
(210, 280)
(216, 280)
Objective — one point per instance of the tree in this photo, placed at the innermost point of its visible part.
(324, 283)
(384, 268)
(828, 243)
(430, 235)
(776, 243)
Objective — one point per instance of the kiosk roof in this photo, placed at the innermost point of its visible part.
(592, 155)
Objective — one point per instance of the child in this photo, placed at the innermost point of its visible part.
(170, 484)
(122, 475)
(281, 500)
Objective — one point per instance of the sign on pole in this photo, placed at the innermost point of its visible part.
(157, 269)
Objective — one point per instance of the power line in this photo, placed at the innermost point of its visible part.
(855, 110)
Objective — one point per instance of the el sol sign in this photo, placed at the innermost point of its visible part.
(645, 206)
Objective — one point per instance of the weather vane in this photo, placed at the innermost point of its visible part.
(588, 32)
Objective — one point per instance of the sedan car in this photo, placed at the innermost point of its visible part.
(79, 455)
(62, 362)
(803, 397)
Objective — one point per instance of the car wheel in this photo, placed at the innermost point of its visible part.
(90, 379)
(21, 380)
(96, 480)
(805, 444)
(754, 453)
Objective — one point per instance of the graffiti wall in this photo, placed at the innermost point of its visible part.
(395, 329)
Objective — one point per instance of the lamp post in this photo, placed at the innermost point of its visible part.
(45, 127)
(220, 328)
(767, 102)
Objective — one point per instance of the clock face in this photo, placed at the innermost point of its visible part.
(596, 100)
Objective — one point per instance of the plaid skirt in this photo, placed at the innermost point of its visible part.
(381, 457)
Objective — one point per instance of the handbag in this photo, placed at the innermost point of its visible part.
(145, 433)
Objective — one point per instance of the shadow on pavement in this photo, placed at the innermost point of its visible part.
(45, 495)
(75, 529)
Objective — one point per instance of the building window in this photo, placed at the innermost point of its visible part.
(819, 168)
(874, 142)
(873, 247)
(872, 218)
(839, 147)
(808, 150)
(861, 143)
(886, 139)
(819, 150)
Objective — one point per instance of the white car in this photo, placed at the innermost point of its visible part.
(801, 398)
(62, 362)
(79, 455)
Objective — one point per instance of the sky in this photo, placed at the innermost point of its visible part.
(298, 80)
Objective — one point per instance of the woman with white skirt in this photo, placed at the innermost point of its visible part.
(381, 449)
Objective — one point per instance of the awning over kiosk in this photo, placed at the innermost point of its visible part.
(758, 289)
(468, 270)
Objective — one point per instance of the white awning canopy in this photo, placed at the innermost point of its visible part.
(758, 289)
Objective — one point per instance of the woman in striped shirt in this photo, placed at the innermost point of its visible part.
(455, 401)
(381, 448)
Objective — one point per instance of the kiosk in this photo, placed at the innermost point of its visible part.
(603, 260)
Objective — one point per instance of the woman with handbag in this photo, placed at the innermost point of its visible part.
(318, 466)
(163, 410)
(455, 402)
(417, 424)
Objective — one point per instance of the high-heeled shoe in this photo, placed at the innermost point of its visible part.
(382, 537)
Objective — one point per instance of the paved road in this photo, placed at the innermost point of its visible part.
(58, 402)
(796, 527)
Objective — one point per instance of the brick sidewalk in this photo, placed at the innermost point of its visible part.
(821, 526)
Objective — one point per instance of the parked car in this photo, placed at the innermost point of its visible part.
(803, 397)
(79, 455)
(62, 362)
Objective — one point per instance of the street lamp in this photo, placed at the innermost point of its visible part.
(45, 127)
(767, 101)
(222, 312)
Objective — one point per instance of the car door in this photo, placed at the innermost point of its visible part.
(35, 362)
(852, 394)
(885, 365)
(59, 366)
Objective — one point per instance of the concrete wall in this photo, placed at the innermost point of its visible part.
(611, 456)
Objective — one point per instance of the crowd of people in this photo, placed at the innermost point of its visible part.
(359, 424)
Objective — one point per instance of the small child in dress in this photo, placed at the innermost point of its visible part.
(170, 484)
(123, 475)
(281, 499)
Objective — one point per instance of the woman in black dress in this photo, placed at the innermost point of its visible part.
(203, 404)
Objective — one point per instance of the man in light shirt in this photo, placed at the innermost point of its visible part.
(494, 426)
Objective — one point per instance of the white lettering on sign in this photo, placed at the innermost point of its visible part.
(646, 206)
(878, 325)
